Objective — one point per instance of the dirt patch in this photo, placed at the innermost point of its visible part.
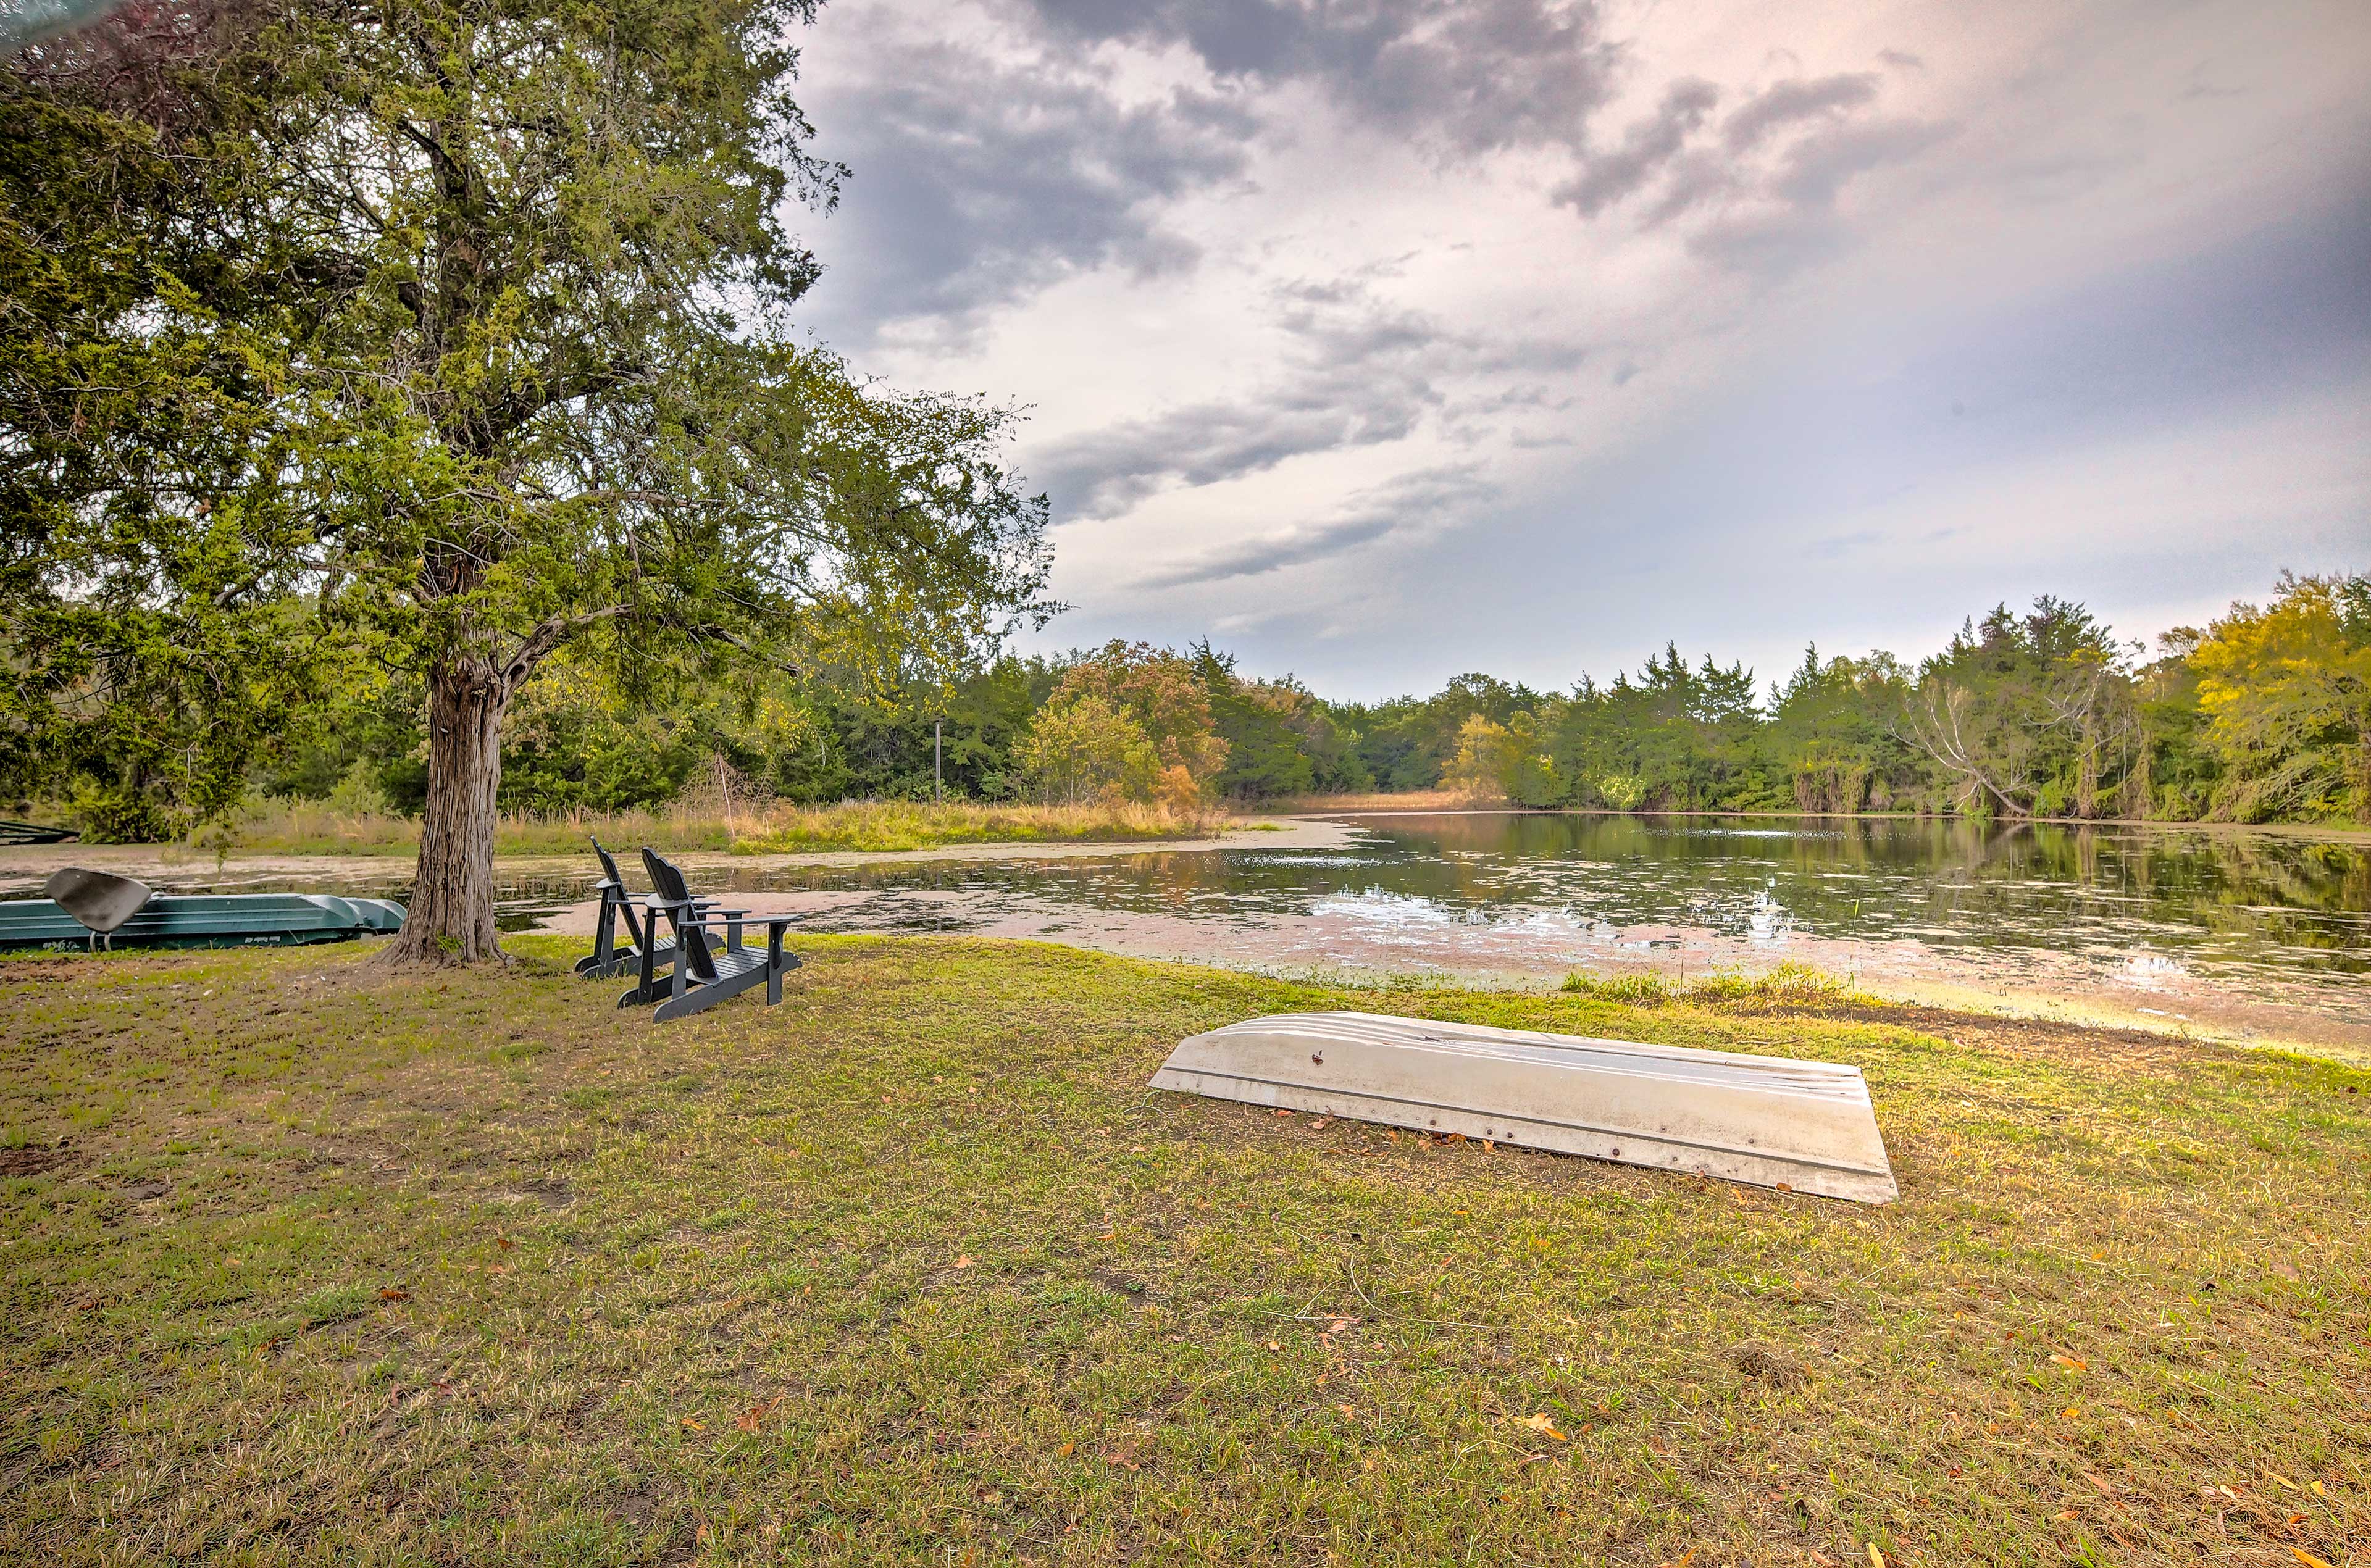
(31, 1159)
(2083, 1044)
(1765, 1365)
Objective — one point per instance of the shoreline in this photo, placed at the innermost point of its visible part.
(26, 866)
(2331, 833)
(1288, 948)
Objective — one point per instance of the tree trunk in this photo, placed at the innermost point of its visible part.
(451, 919)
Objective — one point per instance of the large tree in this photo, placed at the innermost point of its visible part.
(494, 296)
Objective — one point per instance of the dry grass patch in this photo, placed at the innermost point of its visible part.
(285, 826)
(332, 1267)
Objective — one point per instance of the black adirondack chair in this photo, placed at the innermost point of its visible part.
(607, 956)
(705, 973)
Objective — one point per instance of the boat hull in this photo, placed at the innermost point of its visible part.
(1807, 1126)
(261, 919)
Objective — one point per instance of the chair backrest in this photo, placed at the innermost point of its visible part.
(609, 864)
(668, 881)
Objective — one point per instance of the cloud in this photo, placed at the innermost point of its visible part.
(1429, 500)
(1646, 148)
(1789, 101)
(1359, 372)
(979, 183)
(1460, 77)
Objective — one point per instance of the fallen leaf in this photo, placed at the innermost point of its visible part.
(1542, 1424)
(2317, 1492)
(1347, 1410)
(964, 1261)
(1066, 1450)
(2284, 1480)
(1876, 1556)
(505, 1243)
(2071, 1364)
(2073, 1410)
(1273, 1344)
(1284, 1113)
(2105, 1490)
(692, 1426)
(755, 1416)
(393, 1293)
(2307, 1558)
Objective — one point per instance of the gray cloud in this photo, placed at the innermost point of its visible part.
(1787, 102)
(1646, 148)
(1427, 499)
(1794, 221)
(1463, 76)
(1360, 373)
(1824, 164)
(977, 186)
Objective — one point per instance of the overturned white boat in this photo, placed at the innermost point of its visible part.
(1769, 1120)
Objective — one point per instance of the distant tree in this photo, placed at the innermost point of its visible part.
(1828, 730)
(2286, 693)
(1085, 748)
(1162, 692)
(2026, 715)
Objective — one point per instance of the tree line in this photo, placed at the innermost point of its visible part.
(2262, 716)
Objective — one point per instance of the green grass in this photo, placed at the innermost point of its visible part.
(1797, 984)
(307, 1263)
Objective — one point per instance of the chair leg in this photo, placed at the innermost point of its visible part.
(604, 942)
(773, 967)
(641, 993)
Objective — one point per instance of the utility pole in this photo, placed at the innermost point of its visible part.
(938, 753)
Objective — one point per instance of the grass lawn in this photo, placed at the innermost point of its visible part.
(304, 1264)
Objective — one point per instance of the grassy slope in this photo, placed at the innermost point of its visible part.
(336, 1268)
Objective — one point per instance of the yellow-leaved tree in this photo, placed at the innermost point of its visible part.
(2286, 689)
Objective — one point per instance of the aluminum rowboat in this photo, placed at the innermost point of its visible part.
(1772, 1121)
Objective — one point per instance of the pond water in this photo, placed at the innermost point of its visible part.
(2162, 914)
(2248, 929)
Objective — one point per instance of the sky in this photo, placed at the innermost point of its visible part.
(1380, 341)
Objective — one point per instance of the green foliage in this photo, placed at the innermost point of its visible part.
(446, 338)
(1083, 748)
(2287, 695)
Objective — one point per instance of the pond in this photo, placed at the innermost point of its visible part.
(2253, 931)
(2166, 916)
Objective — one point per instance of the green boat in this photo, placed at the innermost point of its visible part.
(250, 919)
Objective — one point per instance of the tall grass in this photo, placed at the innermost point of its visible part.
(1789, 984)
(921, 825)
(280, 825)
